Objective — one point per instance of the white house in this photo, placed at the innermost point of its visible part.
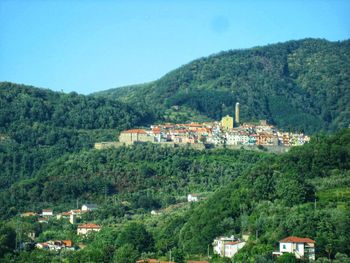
(88, 207)
(299, 246)
(227, 246)
(86, 228)
(192, 198)
(47, 212)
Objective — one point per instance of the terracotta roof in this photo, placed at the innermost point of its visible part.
(89, 225)
(232, 243)
(191, 261)
(47, 210)
(292, 239)
(67, 243)
(139, 131)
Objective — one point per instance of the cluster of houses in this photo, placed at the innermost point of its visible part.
(72, 215)
(56, 245)
(227, 132)
(215, 134)
(301, 248)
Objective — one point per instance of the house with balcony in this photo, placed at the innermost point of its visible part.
(301, 247)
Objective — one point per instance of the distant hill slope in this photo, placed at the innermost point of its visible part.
(38, 125)
(297, 85)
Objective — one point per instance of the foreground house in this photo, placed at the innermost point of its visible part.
(299, 246)
(227, 246)
(84, 229)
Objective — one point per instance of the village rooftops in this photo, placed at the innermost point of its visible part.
(138, 131)
(293, 239)
(89, 226)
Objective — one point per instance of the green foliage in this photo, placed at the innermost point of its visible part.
(126, 254)
(38, 125)
(7, 239)
(148, 176)
(136, 235)
(287, 258)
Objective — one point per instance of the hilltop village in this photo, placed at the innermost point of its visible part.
(229, 132)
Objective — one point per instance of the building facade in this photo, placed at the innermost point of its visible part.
(300, 247)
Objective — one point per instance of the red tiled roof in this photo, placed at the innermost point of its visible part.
(66, 213)
(67, 243)
(292, 239)
(139, 131)
(89, 225)
(232, 243)
(47, 210)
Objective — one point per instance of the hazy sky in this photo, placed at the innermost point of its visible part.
(86, 46)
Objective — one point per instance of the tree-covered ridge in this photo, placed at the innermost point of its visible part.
(297, 85)
(37, 125)
(25, 104)
(148, 176)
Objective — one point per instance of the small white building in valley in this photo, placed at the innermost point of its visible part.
(192, 198)
(227, 246)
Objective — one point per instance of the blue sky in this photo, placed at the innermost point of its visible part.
(87, 46)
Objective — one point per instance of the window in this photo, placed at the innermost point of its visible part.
(284, 246)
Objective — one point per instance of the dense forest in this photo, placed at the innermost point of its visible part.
(297, 85)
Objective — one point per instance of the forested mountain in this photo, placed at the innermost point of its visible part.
(38, 125)
(297, 85)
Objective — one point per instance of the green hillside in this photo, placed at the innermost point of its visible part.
(304, 193)
(297, 85)
(38, 125)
